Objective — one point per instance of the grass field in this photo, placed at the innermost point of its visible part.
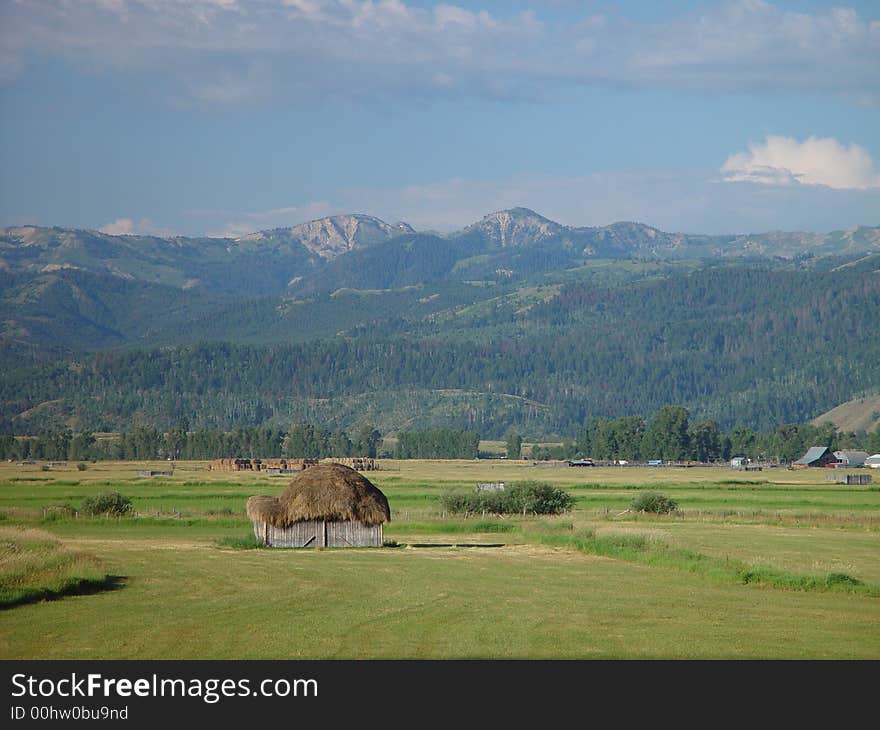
(776, 564)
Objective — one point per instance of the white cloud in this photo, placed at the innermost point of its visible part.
(119, 227)
(234, 88)
(312, 9)
(815, 161)
(451, 15)
(754, 44)
(128, 227)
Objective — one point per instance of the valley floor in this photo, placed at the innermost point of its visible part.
(744, 570)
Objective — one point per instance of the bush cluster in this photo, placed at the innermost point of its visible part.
(538, 498)
(653, 502)
(112, 504)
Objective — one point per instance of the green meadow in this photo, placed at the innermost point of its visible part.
(777, 564)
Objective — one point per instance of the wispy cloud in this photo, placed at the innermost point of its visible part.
(373, 47)
(235, 223)
(815, 161)
(675, 201)
(129, 227)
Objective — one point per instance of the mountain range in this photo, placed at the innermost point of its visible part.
(509, 243)
(513, 321)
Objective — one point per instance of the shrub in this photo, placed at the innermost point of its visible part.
(112, 504)
(837, 579)
(538, 498)
(653, 502)
(469, 502)
(82, 467)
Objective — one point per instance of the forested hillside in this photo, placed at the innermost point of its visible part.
(760, 345)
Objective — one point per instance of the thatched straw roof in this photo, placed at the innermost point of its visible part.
(330, 492)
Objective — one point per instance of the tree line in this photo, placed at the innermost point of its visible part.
(143, 443)
(440, 443)
(668, 435)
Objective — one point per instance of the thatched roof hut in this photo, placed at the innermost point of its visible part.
(325, 505)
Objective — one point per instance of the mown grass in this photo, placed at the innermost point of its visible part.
(782, 566)
(247, 541)
(465, 526)
(643, 549)
(196, 600)
(35, 566)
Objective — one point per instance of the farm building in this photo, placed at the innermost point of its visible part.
(328, 505)
(491, 486)
(849, 478)
(851, 458)
(873, 461)
(816, 456)
(741, 463)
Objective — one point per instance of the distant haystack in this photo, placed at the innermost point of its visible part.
(328, 505)
(260, 464)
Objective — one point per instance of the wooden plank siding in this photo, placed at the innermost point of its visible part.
(318, 533)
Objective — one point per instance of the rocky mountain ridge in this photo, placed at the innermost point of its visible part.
(362, 251)
(329, 237)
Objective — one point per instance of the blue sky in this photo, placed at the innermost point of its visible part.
(220, 117)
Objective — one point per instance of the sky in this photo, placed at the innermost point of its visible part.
(222, 117)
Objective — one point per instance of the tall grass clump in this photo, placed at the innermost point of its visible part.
(35, 566)
(653, 502)
(524, 498)
(110, 504)
(58, 512)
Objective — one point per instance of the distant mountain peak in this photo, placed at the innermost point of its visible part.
(334, 235)
(516, 227)
(517, 213)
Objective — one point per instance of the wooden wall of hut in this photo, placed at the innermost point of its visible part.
(318, 533)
